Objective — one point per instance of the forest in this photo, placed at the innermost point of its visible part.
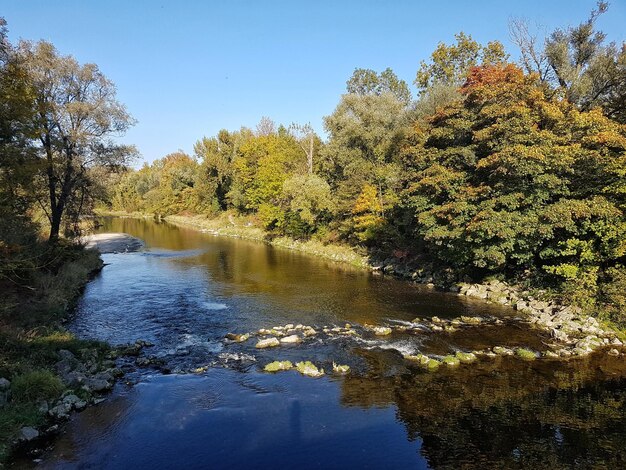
(513, 169)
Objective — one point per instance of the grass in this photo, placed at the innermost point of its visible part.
(36, 386)
(31, 335)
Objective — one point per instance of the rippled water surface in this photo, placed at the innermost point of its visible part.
(217, 409)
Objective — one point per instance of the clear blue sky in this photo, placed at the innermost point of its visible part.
(186, 69)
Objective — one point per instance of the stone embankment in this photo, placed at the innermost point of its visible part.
(577, 332)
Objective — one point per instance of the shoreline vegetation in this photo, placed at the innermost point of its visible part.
(37, 354)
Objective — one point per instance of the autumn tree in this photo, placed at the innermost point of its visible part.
(77, 117)
(511, 179)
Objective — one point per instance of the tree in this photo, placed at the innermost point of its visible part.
(366, 134)
(439, 81)
(265, 127)
(17, 159)
(368, 82)
(577, 63)
(77, 117)
(308, 141)
(307, 202)
(450, 64)
(513, 179)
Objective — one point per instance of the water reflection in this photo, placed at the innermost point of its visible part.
(502, 413)
(188, 289)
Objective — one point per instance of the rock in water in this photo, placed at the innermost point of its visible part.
(278, 366)
(340, 369)
(268, 343)
(309, 369)
(466, 358)
(238, 338)
(451, 361)
(290, 339)
(525, 354)
(381, 330)
(502, 351)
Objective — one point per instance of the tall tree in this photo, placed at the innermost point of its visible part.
(368, 82)
(77, 117)
(578, 63)
(308, 141)
(440, 79)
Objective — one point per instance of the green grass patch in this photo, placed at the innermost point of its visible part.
(35, 386)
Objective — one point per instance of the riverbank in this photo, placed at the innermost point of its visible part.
(41, 362)
(574, 332)
(228, 225)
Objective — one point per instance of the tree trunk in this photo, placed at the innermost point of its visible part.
(310, 154)
(55, 225)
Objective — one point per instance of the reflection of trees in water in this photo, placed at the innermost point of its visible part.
(295, 281)
(504, 413)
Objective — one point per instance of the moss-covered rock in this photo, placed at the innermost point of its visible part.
(309, 369)
(525, 354)
(466, 358)
(381, 330)
(451, 361)
(278, 366)
(268, 343)
(502, 351)
(340, 369)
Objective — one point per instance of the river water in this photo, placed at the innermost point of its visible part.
(210, 405)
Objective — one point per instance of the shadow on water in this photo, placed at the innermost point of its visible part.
(188, 289)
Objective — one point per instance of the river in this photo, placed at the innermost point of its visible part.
(210, 405)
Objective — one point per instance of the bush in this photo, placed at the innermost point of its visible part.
(36, 385)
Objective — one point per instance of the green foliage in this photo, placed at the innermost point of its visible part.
(513, 179)
(36, 385)
(450, 63)
(368, 82)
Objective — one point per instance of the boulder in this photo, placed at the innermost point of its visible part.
(502, 351)
(61, 411)
(381, 330)
(278, 366)
(451, 361)
(290, 339)
(75, 402)
(268, 343)
(559, 335)
(237, 338)
(309, 369)
(465, 358)
(28, 434)
(340, 369)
